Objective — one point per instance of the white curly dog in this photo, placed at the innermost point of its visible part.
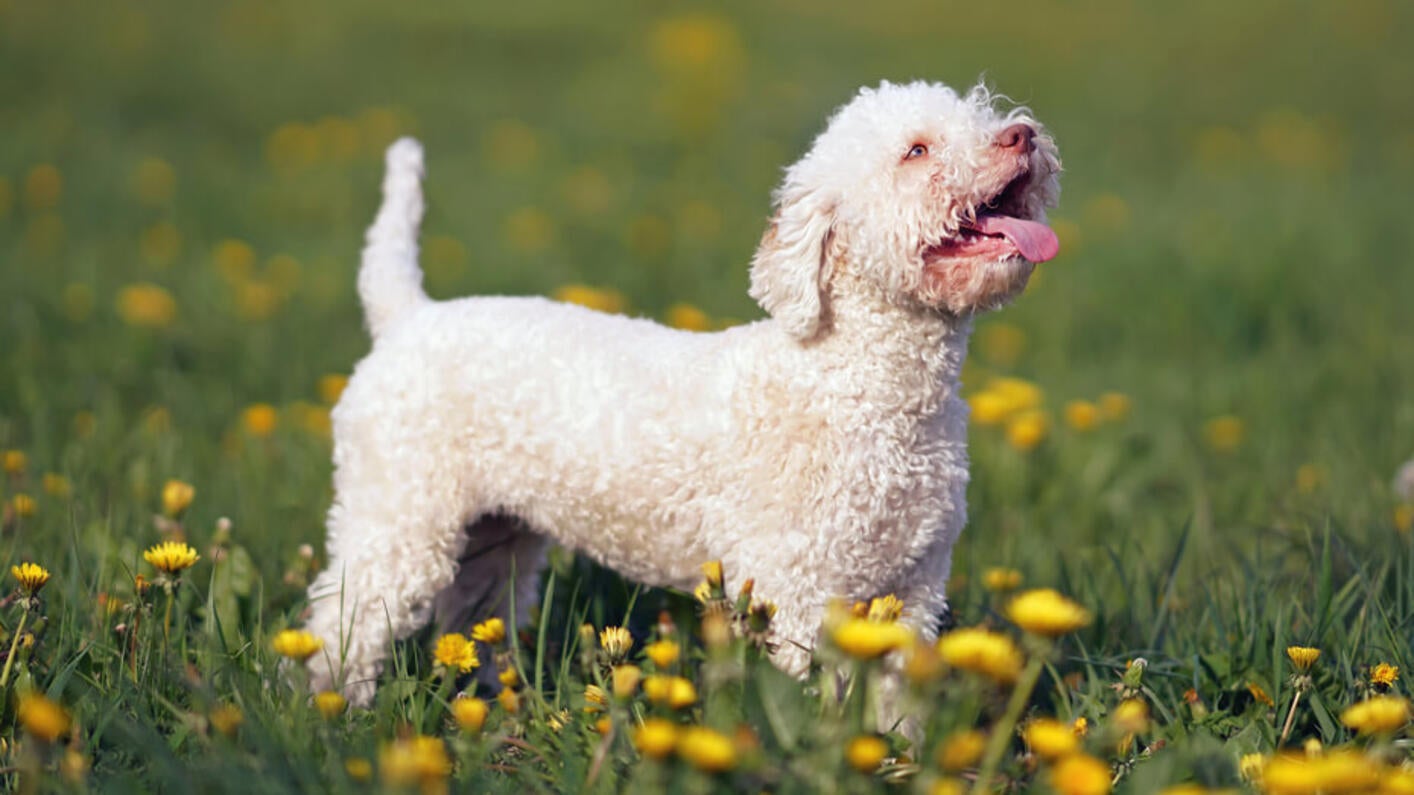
(821, 451)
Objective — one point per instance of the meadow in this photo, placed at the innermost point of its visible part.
(1189, 425)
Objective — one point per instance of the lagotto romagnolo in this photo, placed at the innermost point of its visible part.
(821, 451)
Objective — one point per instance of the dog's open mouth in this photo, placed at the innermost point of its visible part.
(998, 232)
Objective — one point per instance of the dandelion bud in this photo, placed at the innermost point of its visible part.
(716, 632)
(712, 570)
(743, 598)
(306, 552)
(625, 679)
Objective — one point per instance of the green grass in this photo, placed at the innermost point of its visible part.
(1235, 241)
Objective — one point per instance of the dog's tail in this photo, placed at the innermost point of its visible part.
(389, 280)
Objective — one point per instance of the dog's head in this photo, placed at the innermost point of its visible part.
(935, 198)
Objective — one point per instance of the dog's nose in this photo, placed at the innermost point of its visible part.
(1017, 138)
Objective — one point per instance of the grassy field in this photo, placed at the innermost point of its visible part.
(1189, 424)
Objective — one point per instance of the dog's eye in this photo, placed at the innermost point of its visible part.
(918, 150)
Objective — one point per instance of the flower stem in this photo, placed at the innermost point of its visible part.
(14, 646)
(1290, 717)
(1001, 733)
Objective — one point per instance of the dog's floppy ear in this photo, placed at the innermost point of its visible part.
(791, 268)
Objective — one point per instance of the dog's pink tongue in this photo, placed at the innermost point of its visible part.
(1035, 241)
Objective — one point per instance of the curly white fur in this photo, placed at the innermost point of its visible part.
(821, 451)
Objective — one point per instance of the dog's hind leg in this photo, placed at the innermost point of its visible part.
(497, 572)
(501, 551)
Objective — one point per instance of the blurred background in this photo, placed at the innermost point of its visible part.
(1224, 344)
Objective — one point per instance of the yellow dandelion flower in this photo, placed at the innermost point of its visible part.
(171, 556)
(989, 408)
(1303, 657)
(603, 725)
(160, 244)
(712, 570)
(1046, 612)
(78, 300)
(1377, 715)
(14, 462)
(415, 760)
(330, 704)
(234, 259)
(982, 651)
(74, 766)
(616, 641)
(24, 505)
(470, 713)
(297, 644)
(41, 718)
(595, 697)
(1001, 580)
(1051, 739)
(1082, 415)
(491, 631)
(1019, 394)
(1397, 781)
(675, 691)
(706, 749)
(146, 306)
(656, 738)
(529, 230)
(663, 653)
(1132, 716)
(226, 719)
(31, 577)
(509, 701)
(600, 299)
(177, 496)
(625, 680)
(1224, 434)
(1080, 727)
(865, 752)
(260, 419)
(154, 181)
(358, 768)
(922, 663)
(454, 651)
(1309, 478)
(293, 146)
(1384, 675)
(508, 677)
(1249, 766)
(331, 387)
(687, 317)
(1027, 430)
(1340, 770)
(863, 639)
(56, 485)
(1080, 774)
(1114, 406)
(557, 721)
(1404, 518)
(1260, 694)
(1000, 343)
(947, 786)
(885, 609)
(44, 186)
(960, 750)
